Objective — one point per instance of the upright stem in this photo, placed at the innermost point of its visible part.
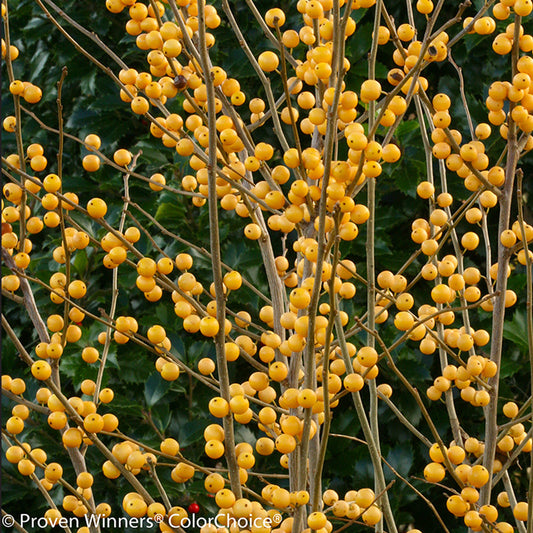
(498, 314)
(448, 395)
(309, 353)
(512, 499)
(114, 283)
(379, 479)
(326, 426)
(229, 435)
(529, 319)
(66, 307)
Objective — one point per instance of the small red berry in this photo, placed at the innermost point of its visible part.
(194, 508)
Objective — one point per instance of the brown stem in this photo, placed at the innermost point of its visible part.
(498, 314)
(229, 435)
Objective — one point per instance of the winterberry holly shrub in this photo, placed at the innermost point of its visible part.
(269, 266)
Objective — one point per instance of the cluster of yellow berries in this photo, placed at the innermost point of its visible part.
(29, 92)
(474, 476)
(28, 459)
(57, 418)
(24, 89)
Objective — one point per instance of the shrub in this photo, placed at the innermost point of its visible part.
(373, 178)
